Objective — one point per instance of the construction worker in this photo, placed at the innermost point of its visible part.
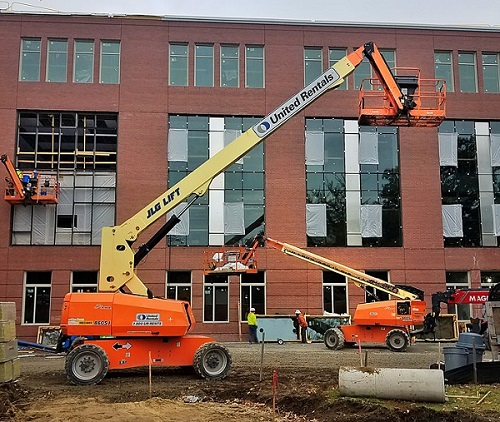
(301, 319)
(252, 326)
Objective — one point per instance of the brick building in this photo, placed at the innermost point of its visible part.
(95, 101)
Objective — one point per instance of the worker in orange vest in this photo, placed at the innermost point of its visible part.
(301, 319)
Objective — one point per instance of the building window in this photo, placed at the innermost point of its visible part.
(460, 181)
(57, 60)
(84, 281)
(334, 55)
(334, 293)
(110, 62)
(178, 69)
(364, 71)
(84, 61)
(204, 65)
(254, 66)
(179, 285)
(458, 280)
(209, 219)
(216, 298)
(230, 66)
(29, 69)
(371, 293)
(491, 72)
(252, 294)
(443, 66)
(36, 304)
(489, 278)
(80, 148)
(467, 72)
(313, 64)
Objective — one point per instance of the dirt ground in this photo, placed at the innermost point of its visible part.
(307, 377)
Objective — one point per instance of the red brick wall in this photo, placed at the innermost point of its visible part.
(144, 100)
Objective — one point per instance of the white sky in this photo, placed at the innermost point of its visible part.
(421, 12)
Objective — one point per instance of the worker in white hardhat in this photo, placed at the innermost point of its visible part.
(302, 323)
(252, 326)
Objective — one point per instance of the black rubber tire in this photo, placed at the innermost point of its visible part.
(334, 339)
(397, 340)
(212, 361)
(86, 365)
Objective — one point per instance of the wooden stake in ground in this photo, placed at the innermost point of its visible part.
(275, 387)
(150, 376)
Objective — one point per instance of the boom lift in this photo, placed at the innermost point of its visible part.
(112, 329)
(386, 321)
(29, 188)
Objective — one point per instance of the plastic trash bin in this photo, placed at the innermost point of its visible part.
(471, 341)
(455, 357)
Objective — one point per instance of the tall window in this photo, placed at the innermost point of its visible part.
(458, 280)
(229, 66)
(81, 149)
(313, 64)
(364, 71)
(178, 69)
(110, 62)
(236, 211)
(84, 281)
(216, 298)
(254, 66)
(36, 304)
(84, 61)
(179, 285)
(29, 69)
(443, 66)
(57, 60)
(460, 181)
(334, 55)
(334, 293)
(467, 72)
(491, 72)
(204, 65)
(253, 294)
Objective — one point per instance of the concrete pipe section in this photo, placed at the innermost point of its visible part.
(425, 385)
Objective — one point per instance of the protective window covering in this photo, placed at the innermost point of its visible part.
(229, 136)
(177, 145)
(43, 226)
(103, 215)
(495, 149)
(371, 220)
(496, 219)
(316, 220)
(182, 227)
(315, 148)
(452, 221)
(448, 152)
(368, 148)
(234, 221)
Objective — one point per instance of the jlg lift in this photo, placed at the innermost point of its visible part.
(29, 188)
(116, 327)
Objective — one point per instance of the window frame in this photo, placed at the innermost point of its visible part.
(171, 56)
(247, 282)
(342, 51)
(215, 286)
(454, 308)
(254, 59)
(450, 84)
(332, 285)
(236, 59)
(91, 54)
(83, 286)
(462, 66)
(489, 66)
(178, 284)
(35, 286)
(49, 55)
(24, 52)
(314, 72)
(201, 58)
(103, 55)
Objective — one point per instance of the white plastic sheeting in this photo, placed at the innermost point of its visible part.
(315, 148)
(368, 148)
(177, 145)
(495, 149)
(448, 152)
(496, 219)
(182, 227)
(234, 218)
(371, 220)
(452, 221)
(316, 220)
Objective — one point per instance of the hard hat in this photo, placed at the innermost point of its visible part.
(297, 312)
(252, 309)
